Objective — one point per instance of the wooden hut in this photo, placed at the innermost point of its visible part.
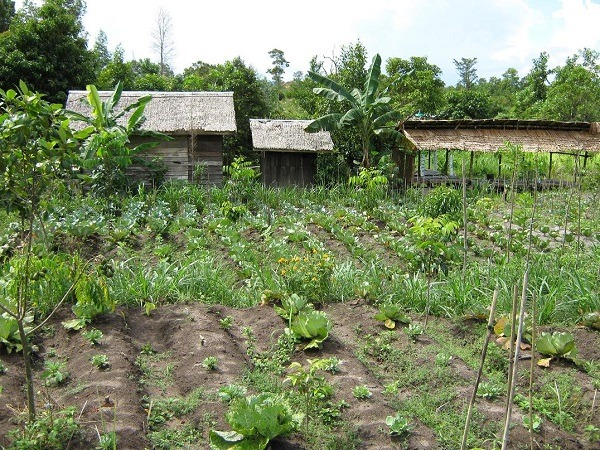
(288, 154)
(196, 122)
(490, 135)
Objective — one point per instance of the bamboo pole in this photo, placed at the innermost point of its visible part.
(490, 330)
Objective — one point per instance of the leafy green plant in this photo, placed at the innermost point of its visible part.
(592, 320)
(231, 391)
(210, 363)
(51, 430)
(313, 326)
(414, 330)
(291, 306)
(592, 433)
(489, 390)
(100, 361)
(555, 345)
(54, 373)
(443, 200)
(361, 392)
(93, 299)
(536, 423)
(9, 331)
(93, 336)
(254, 421)
(332, 364)
(226, 323)
(398, 424)
(389, 314)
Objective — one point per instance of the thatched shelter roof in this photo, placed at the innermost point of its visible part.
(173, 112)
(490, 135)
(288, 136)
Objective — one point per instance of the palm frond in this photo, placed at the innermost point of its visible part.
(331, 85)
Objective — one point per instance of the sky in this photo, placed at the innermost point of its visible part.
(501, 34)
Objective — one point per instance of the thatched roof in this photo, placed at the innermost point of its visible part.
(173, 112)
(288, 136)
(490, 135)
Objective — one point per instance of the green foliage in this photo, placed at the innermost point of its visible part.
(308, 275)
(431, 238)
(442, 201)
(361, 392)
(226, 322)
(490, 390)
(313, 326)
(370, 111)
(37, 147)
(255, 420)
(93, 299)
(100, 361)
(231, 391)
(242, 179)
(106, 152)
(292, 305)
(46, 46)
(54, 373)
(536, 423)
(51, 430)
(557, 344)
(414, 330)
(9, 332)
(592, 320)
(390, 313)
(93, 336)
(398, 424)
(210, 363)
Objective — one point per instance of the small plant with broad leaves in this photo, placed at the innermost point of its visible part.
(535, 425)
(489, 390)
(398, 425)
(313, 326)
(389, 314)
(101, 361)
(93, 336)
(54, 373)
(210, 363)
(93, 299)
(362, 392)
(231, 391)
(414, 330)
(226, 323)
(555, 345)
(254, 421)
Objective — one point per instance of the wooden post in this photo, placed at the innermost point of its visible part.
(419, 170)
(550, 167)
(585, 158)
(499, 165)
(471, 163)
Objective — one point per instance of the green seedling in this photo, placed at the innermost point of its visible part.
(361, 392)
(399, 425)
(536, 424)
(54, 373)
(390, 314)
(226, 323)
(230, 392)
(2, 368)
(147, 349)
(555, 345)
(100, 361)
(93, 336)
(592, 320)
(333, 365)
(210, 363)
(414, 330)
(443, 359)
(592, 433)
(489, 391)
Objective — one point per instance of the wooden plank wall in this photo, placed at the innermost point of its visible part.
(288, 169)
(194, 159)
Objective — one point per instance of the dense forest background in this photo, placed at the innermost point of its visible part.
(48, 48)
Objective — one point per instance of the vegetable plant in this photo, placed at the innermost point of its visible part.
(254, 421)
(399, 425)
(555, 345)
(54, 373)
(361, 392)
(93, 336)
(389, 314)
(100, 361)
(414, 330)
(313, 326)
(210, 363)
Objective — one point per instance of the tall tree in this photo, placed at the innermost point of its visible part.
(7, 11)
(279, 65)
(102, 55)
(530, 99)
(467, 72)
(162, 40)
(117, 70)
(46, 47)
(415, 85)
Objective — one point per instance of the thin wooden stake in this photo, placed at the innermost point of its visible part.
(490, 330)
(513, 385)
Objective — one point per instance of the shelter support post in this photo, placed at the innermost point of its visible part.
(499, 165)
(550, 167)
(471, 163)
(446, 163)
(585, 158)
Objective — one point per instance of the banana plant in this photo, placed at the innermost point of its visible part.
(370, 110)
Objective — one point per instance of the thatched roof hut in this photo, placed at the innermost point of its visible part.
(197, 122)
(288, 153)
(489, 135)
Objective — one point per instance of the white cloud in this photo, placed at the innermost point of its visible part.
(577, 27)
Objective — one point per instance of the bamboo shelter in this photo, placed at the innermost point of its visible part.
(288, 154)
(491, 135)
(196, 122)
